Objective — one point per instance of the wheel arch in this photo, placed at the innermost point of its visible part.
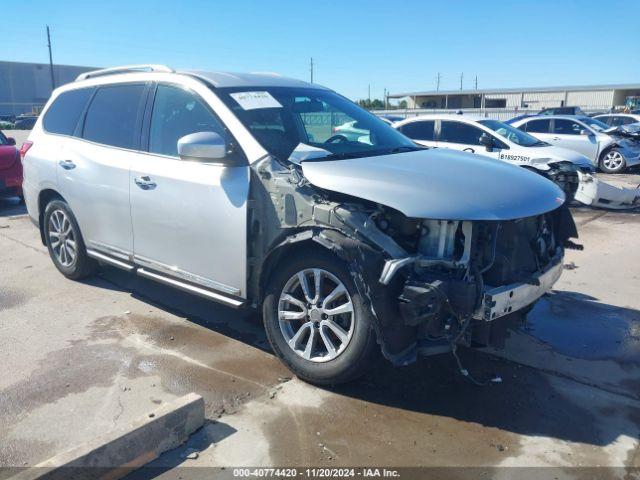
(44, 198)
(303, 241)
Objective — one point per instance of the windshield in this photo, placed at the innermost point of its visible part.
(512, 134)
(597, 125)
(3, 139)
(282, 118)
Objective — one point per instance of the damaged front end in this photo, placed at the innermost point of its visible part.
(430, 283)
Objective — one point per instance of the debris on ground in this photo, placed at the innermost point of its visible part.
(190, 453)
(569, 266)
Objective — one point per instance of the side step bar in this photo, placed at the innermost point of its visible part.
(232, 302)
(173, 282)
(110, 260)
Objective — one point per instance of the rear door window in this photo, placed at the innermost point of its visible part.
(537, 126)
(422, 130)
(113, 116)
(64, 113)
(458, 132)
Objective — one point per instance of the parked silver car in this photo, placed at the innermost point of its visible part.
(585, 135)
(236, 188)
(618, 119)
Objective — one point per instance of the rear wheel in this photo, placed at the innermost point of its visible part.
(612, 161)
(317, 322)
(64, 242)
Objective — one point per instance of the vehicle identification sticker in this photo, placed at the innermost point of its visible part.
(515, 158)
(254, 100)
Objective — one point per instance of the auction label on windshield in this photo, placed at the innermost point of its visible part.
(254, 100)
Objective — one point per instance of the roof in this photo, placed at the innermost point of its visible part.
(571, 88)
(232, 79)
(217, 79)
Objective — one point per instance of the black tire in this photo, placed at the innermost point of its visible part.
(82, 265)
(608, 169)
(359, 353)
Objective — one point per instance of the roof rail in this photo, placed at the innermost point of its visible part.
(124, 69)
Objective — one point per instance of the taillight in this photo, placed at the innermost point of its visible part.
(25, 148)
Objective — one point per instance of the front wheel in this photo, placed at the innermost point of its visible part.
(612, 161)
(316, 321)
(64, 242)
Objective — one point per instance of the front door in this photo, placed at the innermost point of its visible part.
(189, 218)
(574, 136)
(465, 137)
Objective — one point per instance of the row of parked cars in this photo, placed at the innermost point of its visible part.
(21, 122)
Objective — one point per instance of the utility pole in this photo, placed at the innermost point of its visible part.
(369, 94)
(53, 82)
(438, 82)
(311, 69)
(385, 98)
(476, 82)
(461, 77)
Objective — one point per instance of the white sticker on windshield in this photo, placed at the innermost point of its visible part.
(254, 100)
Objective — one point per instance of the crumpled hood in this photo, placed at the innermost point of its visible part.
(439, 184)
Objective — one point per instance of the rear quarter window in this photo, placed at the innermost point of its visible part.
(64, 113)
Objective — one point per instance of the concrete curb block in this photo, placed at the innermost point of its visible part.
(119, 452)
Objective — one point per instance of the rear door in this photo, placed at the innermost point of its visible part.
(93, 170)
(189, 218)
(573, 135)
(420, 131)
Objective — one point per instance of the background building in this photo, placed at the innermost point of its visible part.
(25, 87)
(591, 97)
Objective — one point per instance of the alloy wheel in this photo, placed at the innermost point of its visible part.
(316, 315)
(613, 160)
(62, 238)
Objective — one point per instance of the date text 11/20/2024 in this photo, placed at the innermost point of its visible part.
(316, 472)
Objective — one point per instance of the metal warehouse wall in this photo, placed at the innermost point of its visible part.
(25, 86)
(513, 99)
(602, 98)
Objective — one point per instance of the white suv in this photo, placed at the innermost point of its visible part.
(236, 188)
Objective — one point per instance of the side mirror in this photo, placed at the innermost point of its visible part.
(203, 147)
(11, 140)
(487, 141)
(584, 131)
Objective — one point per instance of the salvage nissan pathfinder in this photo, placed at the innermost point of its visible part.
(235, 187)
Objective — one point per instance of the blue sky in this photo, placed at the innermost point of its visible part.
(398, 45)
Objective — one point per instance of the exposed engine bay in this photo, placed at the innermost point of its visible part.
(430, 283)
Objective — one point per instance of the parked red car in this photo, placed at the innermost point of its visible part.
(10, 168)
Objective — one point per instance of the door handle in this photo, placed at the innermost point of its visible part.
(67, 164)
(145, 182)
(556, 138)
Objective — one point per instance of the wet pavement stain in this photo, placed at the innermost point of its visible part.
(135, 346)
(428, 414)
(573, 324)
